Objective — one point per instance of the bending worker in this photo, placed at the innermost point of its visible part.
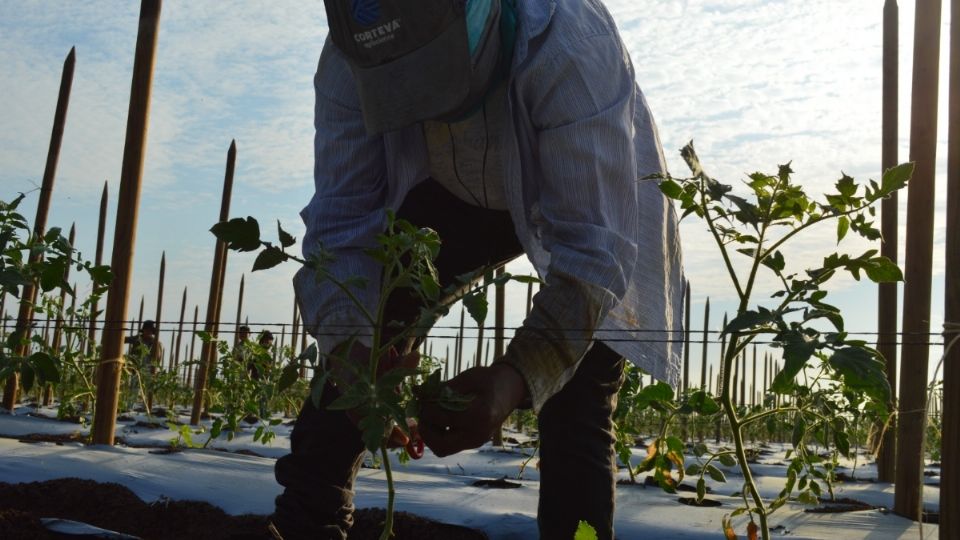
(509, 128)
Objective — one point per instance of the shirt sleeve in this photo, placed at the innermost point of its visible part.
(345, 213)
(582, 103)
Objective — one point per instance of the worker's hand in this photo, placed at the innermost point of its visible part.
(344, 376)
(497, 390)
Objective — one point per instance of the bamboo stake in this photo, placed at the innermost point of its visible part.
(529, 297)
(753, 379)
(295, 330)
(686, 341)
(887, 292)
(29, 293)
(158, 362)
(124, 238)
(462, 342)
(193, 342)
(918, 257)
(478, 359)
(236, 328)
(136, 329)
(98, 260)
(176, 347)
(704, 344)
(211, 324)
(499, 320)
(950, 407)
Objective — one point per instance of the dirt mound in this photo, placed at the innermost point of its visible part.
(116, 508)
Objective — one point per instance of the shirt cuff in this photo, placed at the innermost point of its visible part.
(549, 346)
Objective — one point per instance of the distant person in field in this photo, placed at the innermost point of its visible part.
(256, 365)
(146, 351)
(510, 128)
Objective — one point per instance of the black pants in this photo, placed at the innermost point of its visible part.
(577, 464)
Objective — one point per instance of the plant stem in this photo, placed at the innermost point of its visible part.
(388, 523)
(735, 428)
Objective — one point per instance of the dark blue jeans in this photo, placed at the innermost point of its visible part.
(577, 460)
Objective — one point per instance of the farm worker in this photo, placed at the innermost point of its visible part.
(146, 351)
(509, 128)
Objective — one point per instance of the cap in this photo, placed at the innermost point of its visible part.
(410, 59)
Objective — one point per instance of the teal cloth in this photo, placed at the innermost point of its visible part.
(477, 13)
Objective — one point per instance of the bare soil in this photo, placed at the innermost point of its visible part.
(116, 508)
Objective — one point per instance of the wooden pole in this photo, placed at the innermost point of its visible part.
(918, 257)
(529, 298)
(207, 349)
(478, 359)
(125, 233)
(753, 379)
(950, 410)
(887, 292)
(158, 362)
(295, 330)
(499, 320)
(136, 329)
(236, 327)
(686, 340)
(460, 343)
(704, 345)
(29, 293)
(97, 260)
(193, 343)
(183, 311)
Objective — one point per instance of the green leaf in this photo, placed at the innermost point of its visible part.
(799, 430)
(52, 275)
(797, 350)
(476, 304)
(703, 404)
(352, 399)
(842, 441)
(748, 320)
(286, 240)
(895, 178)
(701, 489)
(27, 376)
(45, 366)
(585, 532)
(654, 392)
(843, 226)
(727, 460)
(100, 275)
(883, 270)
(862, 369)
(289, 375)
(671, 189)
(240, 234)
(268, 258)
(716, 474)
(774, 261)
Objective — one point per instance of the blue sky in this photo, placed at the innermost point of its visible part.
(755, 83)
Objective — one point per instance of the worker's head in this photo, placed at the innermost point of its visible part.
(243, 332)
(266, 338)
(416, 60)
(148, 329)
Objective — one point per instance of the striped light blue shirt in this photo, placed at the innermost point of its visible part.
(576, 147)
